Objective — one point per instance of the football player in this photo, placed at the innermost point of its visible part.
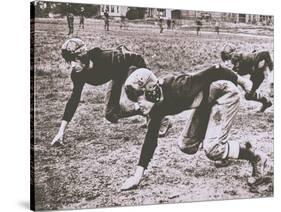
(257, 64)
(106, 20)
(96, 67)
(213, 100)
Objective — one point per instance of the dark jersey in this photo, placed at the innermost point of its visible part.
(70, 17)
(179, 93)
(244, 63)
(106, 15)
(82, 16)
(101, 67)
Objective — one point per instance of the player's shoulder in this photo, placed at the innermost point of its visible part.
(261, 52)
(172, 80)
(105, 54)
(123, 51)
(249, 55)
(95, 52)
(238, 55)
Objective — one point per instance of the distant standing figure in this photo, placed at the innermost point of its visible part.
(82, 18)
(161, 24)
(217, 27)
(198, 26)
(169, 22)
(122, 22)
(106, 20)
(173, 24)
(70, 21)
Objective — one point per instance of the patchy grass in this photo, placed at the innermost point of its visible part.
(89, 170)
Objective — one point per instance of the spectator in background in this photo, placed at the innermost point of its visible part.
(82, 18)
(161, 24)
(173, 24)
(169, 23)
(122, 22)
(198, 26)
(70, 22)
(217, 27)
(161, 20)
(106, 20)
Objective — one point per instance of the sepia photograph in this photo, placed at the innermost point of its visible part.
(136, 106)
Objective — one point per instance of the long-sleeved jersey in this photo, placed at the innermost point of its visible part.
(248, 63)
(179, 93)
(101, 67)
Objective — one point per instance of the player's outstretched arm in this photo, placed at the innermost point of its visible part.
(69, 111)
(148, 148)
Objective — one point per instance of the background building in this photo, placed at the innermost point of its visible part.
(114, 10)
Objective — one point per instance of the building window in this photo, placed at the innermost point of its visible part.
(112, 8)
(149, 12)
(103, 7)
(161, 12)
(117, 9)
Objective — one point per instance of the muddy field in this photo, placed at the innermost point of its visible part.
(98, 156)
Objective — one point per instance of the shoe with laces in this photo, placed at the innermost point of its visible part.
(222, 163)
(265, 105)
(258, 172)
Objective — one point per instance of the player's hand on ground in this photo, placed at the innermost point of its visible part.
(130, 183)
(133, 181)
(58, 139)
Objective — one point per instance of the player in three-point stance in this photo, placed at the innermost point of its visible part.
(257, 64)
(212, 97)
(96, 67)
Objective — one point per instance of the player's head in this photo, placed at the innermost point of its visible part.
(74, 51)
(142, 86)
(226, 52)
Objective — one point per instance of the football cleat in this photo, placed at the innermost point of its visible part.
(259, 165)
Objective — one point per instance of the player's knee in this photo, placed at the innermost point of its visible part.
(262, 64)
(189, 145)
(224, 92)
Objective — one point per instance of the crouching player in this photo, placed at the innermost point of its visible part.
(213, 99)
(96, 67)
(257, 64)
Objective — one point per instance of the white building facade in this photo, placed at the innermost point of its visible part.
(114, 10)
